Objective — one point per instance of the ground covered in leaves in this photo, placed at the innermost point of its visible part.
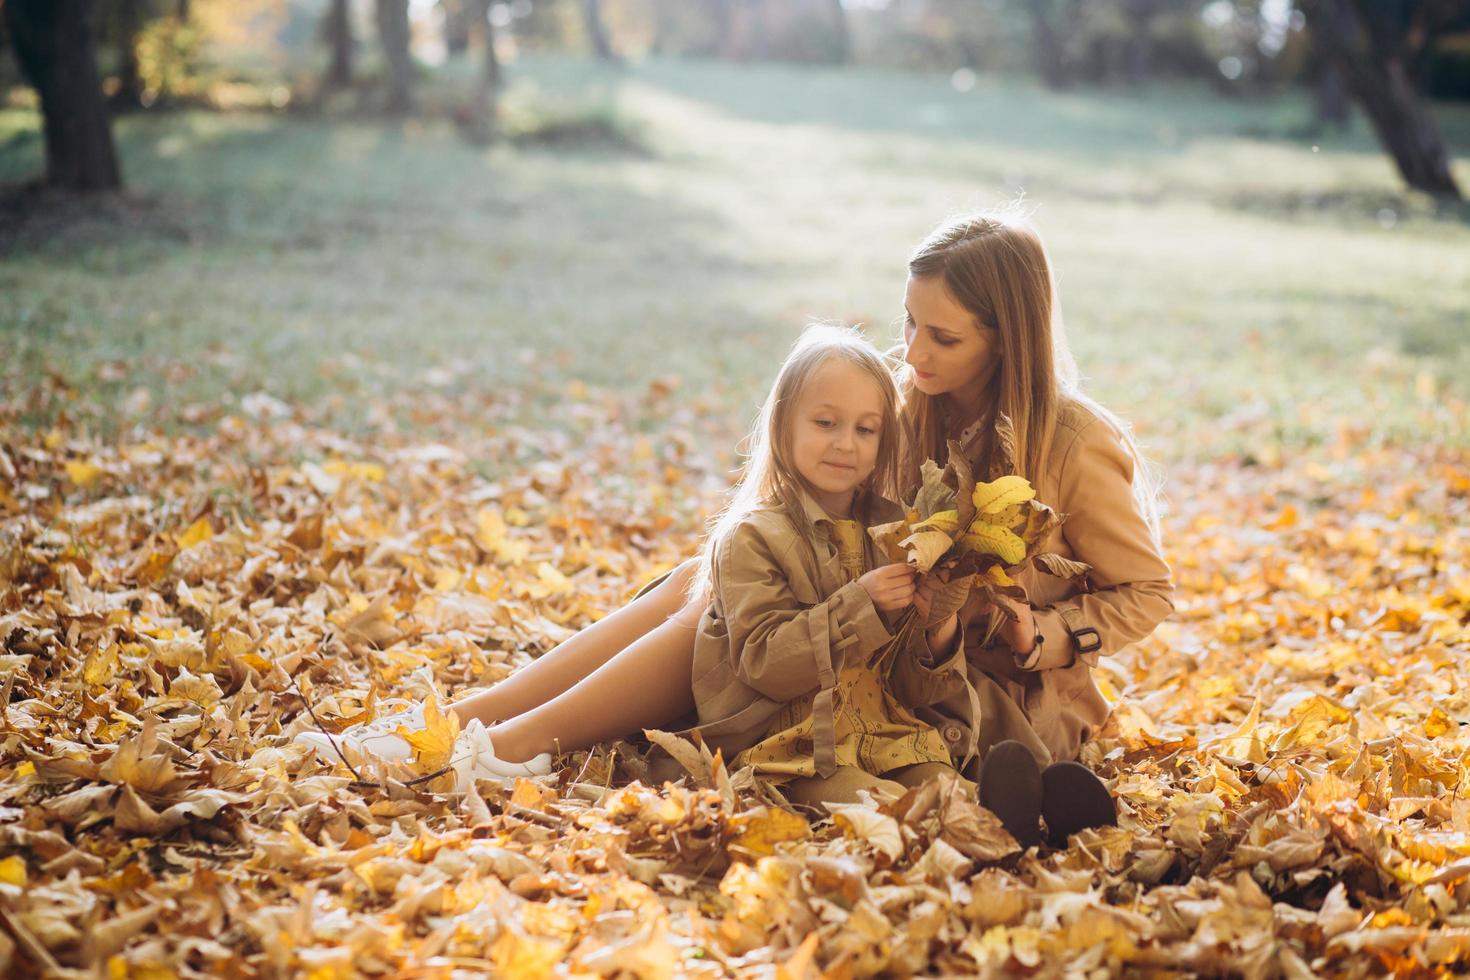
(1288, 752)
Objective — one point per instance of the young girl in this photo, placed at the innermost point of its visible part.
(980, 340)
(797, 670)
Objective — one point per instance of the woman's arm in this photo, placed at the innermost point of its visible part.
(1133, 591)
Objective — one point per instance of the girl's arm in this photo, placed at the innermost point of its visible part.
(1133, 591)
(933, 666)
(782, 647)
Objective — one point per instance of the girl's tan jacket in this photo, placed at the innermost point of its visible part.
(1089, 478)
(782, 623)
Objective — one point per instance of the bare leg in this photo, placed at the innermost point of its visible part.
(920, 773)
(840, 787)
(559, 669)
(646, 685)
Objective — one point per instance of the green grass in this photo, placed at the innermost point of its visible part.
(1227, 279)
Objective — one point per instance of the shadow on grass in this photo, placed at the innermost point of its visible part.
(37, 219)
(1164, 118)
(329, 263)
(1387, 208)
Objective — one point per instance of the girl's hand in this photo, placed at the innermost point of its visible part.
(925, 590)
(891, 587)
(941, 635)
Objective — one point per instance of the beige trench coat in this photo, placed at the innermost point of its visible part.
(782, 624)
(1048, 699)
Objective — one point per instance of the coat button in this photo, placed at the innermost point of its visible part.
(952, 733)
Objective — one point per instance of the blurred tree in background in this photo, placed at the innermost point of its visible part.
(1382, 51)
(394, 33)
(336, 31)
(1386, 56)
(55, 45)
(479, 120)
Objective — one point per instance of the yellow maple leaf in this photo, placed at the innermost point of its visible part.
(100, 666)
(492, 533)
(552, 580)
(434, 743)
(947, 521)
(13, 870)
(997, 576)
(996, 496)
(1438, 723)
(83, 474)
(762, 830)
(198, 532)
(990, 539)
(372, 472)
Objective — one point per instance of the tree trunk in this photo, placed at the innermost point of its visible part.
(721, 19)
(480, 124)
(757, 28)
(336, 31)
(129, 94)
(841, 36)
(456, 26)
(56, 49)
(1051, 58)
(596, 30)
(1140, 50)
(393, 31)
(1377, 76)
(1332, 102)
(181, 11)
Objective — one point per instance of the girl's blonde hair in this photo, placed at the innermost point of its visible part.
(770, 479)
(994, 264)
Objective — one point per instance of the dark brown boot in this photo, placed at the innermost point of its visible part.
(1011, 788)
(1073, 798)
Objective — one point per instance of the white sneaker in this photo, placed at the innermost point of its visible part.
(474, 758)
(377, 738)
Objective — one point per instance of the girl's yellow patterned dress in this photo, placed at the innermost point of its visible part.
(874, 732)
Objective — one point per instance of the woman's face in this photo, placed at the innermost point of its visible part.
(950, 351)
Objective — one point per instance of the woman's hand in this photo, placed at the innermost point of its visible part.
(1019, 634)
(891, 588)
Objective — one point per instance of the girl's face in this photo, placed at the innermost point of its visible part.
(836, 424)
(950, 351)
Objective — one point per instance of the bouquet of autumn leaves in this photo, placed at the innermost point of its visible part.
(976, 535)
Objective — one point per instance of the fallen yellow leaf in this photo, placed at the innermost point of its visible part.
(198, 532)
(83, 474)
(434, 743)
(762, 830)
(13, 870)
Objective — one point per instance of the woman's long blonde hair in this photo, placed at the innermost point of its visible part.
(770, 479)
(994, 265)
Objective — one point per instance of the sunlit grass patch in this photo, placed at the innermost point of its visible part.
(1226, 277)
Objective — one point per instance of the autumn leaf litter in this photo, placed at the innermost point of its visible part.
(1288, 755)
